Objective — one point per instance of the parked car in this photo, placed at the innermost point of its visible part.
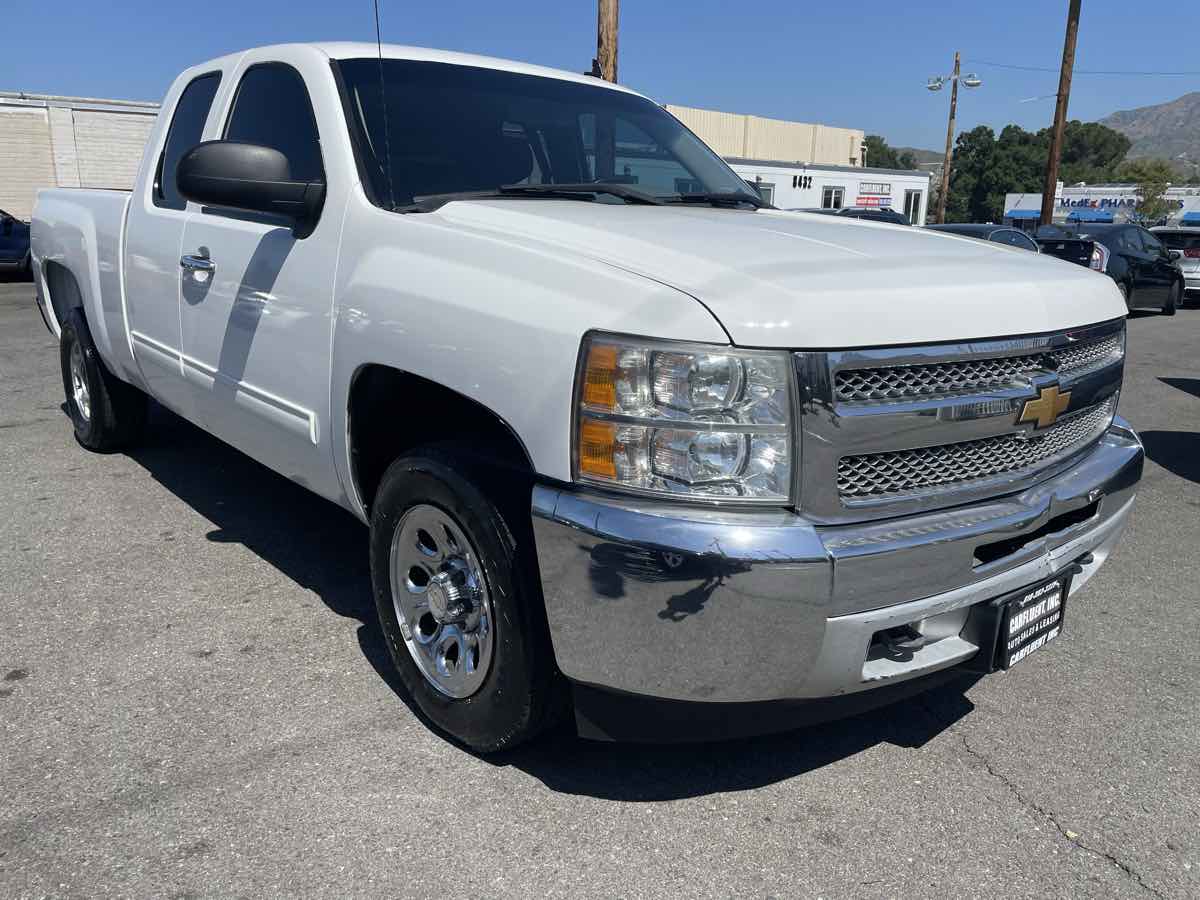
(545, 343)
(1184, 245)
(1144, 270)
(14, 243)
(997, 234)
(872, 214)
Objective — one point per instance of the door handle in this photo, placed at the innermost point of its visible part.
(199, 266)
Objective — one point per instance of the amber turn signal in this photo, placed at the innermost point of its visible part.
(597, 446)
(600, 377)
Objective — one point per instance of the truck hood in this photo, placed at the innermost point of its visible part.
(808, 281)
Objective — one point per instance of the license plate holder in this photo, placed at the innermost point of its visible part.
(1001, 646)
(1029, 619)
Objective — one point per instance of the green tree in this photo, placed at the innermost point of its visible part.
(987, 167)
(1152, 177)
(880, 155)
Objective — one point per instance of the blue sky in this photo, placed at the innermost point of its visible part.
(857, 64)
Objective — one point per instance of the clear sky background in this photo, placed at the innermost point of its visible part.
(859, 64)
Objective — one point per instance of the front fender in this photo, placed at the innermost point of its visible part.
(496, 318)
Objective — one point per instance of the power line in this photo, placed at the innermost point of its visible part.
(980, 62)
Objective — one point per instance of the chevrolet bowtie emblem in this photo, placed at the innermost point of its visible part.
(1045, 410)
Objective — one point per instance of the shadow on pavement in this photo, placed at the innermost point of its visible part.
(1187, 385)
(1175, 451)
(324, 549)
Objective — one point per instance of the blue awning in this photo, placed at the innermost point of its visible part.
(1086, 214)
(1023, 214)
(1190, 218)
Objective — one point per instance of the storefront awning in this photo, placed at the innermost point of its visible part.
(1191, 218)
(1090, 215)
(1023, 214)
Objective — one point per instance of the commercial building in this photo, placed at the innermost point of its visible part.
(737, 136)
(803, 186)
(1100, 203)
(798, 165)
(50, 141)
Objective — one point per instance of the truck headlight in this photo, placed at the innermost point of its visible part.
(684, 420)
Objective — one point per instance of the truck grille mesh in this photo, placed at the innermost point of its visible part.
(908, 471)
(913, 382)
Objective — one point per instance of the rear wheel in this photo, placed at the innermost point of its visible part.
(460, 605)
(106, 412)
(1174, 299)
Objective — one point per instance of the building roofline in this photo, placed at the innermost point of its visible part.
(24, 98)
(824, 167)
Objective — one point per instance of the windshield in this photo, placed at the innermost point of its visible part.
(453, 129)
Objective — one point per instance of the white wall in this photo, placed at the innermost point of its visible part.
(26, 162)
(755, 137)
(787, 197)
(68, 142)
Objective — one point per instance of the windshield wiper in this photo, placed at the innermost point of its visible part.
(573, 191)
(584, 187)
(720, 198)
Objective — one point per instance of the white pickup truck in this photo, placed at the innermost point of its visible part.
(630, 442)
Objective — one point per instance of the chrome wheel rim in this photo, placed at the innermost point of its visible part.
(79, 388)
(441, 601)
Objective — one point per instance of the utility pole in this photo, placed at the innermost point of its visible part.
(1060, 113)
(605, 63)
(941, 208)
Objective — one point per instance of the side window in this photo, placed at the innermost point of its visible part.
(272, 109)
(1013, 239)
(1129, 242)
(1153, 245)
(187, 125)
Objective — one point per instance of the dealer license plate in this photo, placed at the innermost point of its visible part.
(1030, 620)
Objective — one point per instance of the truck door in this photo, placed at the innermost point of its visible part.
(257, 300)
(153, 234)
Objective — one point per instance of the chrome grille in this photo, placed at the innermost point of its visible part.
(910, 471)
(936, 379)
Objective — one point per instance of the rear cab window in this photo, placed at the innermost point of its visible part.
(1179, 240)
(187, 127)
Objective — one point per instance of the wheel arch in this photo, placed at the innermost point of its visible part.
(390, 411)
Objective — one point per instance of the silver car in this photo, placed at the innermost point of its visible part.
(1184, 244)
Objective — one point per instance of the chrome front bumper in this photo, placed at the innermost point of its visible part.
(732, 606)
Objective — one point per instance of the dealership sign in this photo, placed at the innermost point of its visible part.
(873, 193)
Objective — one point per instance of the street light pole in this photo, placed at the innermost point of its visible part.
(1060, 114)
(941, 208)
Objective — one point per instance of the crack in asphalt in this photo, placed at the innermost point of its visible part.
(1070, 836)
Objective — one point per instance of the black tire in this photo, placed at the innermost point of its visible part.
(521, 693)
(116, 415)
(1174, 299)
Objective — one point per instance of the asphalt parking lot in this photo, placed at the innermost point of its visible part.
(195, 701)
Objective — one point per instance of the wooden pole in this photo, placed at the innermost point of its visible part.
(1060, 113)
(605, 64)
(941, 208)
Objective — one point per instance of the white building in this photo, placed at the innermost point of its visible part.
(807, 186)
(1099, 203)
(49, 141)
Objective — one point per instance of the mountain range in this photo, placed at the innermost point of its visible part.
(1165, 131)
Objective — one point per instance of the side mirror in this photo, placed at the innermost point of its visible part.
(1176, 254)
(249, 177)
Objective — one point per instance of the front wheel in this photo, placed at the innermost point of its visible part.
(107, 413)
(1174, 296)
(459, 603)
